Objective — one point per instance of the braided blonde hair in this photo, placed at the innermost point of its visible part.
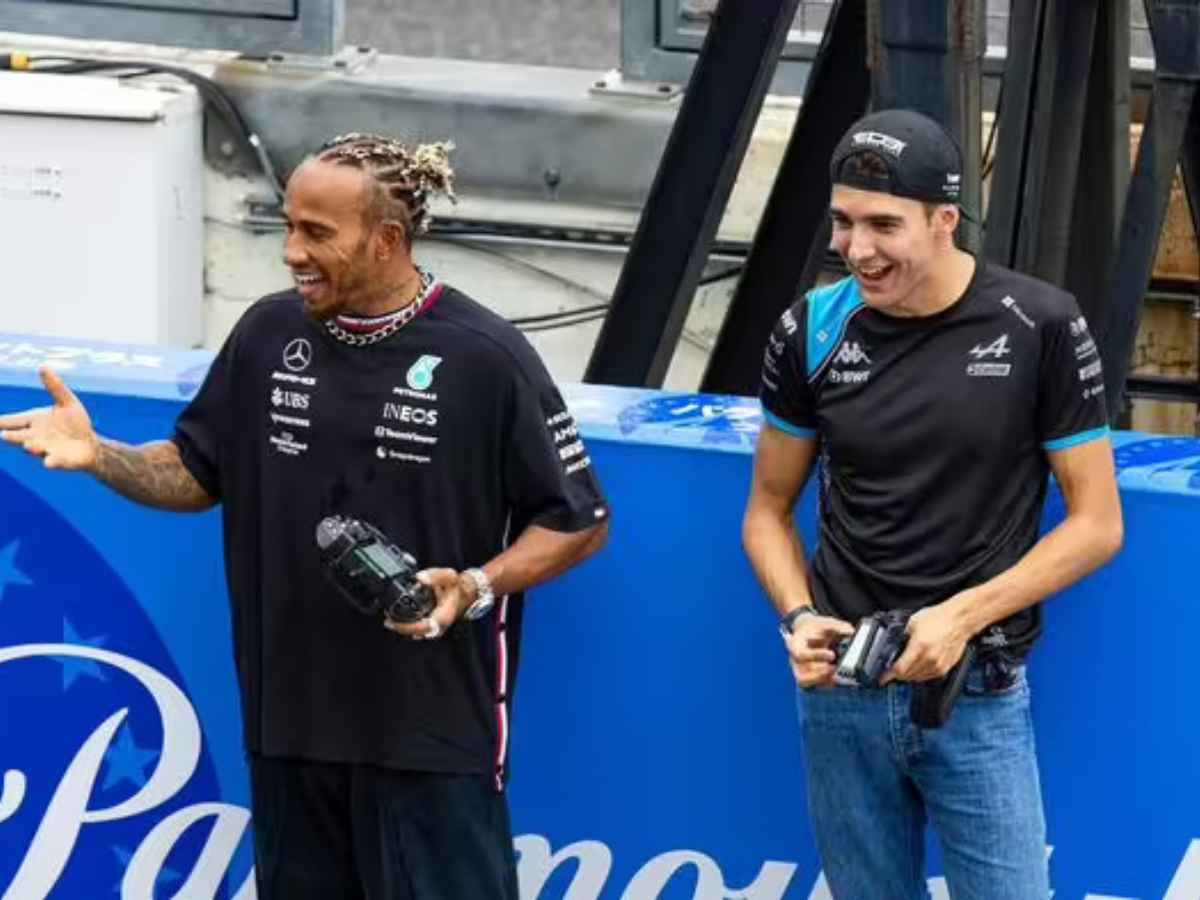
(406, 176)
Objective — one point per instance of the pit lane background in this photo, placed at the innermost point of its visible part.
(655, 748)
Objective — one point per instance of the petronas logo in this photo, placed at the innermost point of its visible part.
(420, 375)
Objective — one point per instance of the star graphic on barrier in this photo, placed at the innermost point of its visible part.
(9, 573)
(165, 877)
(127, 761)
(74, 666)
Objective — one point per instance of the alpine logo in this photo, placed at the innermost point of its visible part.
(852, 354)
(997, 349)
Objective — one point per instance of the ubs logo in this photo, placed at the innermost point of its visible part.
(290, 399)
(297, 355)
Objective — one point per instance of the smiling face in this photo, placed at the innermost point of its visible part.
(892, 245)
(337, 252)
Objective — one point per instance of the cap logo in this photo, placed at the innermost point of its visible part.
(876, 141)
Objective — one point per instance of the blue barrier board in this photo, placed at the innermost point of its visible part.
(655, 747)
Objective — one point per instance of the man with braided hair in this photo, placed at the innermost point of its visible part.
(372, 390)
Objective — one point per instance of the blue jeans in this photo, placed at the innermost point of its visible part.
(874, 777)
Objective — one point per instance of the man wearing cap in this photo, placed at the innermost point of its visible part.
(935, 391)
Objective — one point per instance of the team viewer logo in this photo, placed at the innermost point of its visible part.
(297, 355)
(420, 375)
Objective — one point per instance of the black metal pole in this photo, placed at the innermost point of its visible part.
(1025, 18)
(929, 57)
(1052, 170)
(797, 211)
(1103, 161)
(1176, 33)
(690, 190)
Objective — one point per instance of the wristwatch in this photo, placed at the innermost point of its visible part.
(484, 597)
(788, 621)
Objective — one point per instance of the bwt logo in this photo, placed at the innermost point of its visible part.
(290, 399)
(852, 354)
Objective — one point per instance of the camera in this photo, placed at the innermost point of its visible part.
(371, 572)
(877, 642)
(865, 656)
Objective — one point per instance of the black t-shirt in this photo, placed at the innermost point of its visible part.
(934, 432)
(451, 438)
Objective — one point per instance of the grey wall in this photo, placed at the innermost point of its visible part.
(575, 33)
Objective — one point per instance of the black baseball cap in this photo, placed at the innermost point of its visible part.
(922, 159)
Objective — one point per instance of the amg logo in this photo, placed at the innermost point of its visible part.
(876, 141)
(851, 354)
(290, 399)
(418, 415)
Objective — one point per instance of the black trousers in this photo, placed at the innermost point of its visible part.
(326, 831)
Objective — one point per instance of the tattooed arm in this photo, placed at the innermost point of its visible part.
(152, 474)
(63, 437)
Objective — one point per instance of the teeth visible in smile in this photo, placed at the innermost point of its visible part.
(307, 279)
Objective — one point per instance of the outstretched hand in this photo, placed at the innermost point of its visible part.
(61, 435)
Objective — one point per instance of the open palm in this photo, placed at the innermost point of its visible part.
(61, 434)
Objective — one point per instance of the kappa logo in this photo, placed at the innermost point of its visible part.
(297, 355)
(997, 349)
(1078, 326)
(851, 353)
(420, 373)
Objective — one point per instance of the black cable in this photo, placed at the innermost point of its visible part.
(583, 320)
(731, 272)
(989, 161)
(564, 314)
(208, 89)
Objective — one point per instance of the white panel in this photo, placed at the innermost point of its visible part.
(102, 231)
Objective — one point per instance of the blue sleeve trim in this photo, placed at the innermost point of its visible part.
(788, 427)
(1074, 440)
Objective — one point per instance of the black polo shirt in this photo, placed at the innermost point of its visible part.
(451, 438)
(934, 433)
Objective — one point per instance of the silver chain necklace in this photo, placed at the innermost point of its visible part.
(400, 318)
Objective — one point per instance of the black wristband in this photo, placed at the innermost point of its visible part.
(789, 620)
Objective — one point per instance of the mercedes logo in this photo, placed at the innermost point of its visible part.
(297, 354)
